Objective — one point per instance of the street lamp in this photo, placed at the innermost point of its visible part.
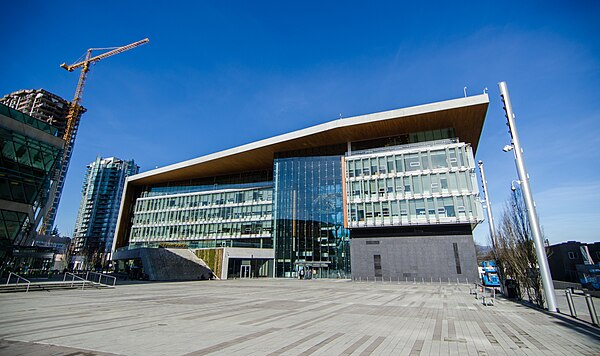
(513, 187)
(528, 198)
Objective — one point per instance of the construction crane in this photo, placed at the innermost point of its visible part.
(72, 124)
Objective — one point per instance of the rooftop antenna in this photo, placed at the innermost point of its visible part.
(465, 91)
(485, 90)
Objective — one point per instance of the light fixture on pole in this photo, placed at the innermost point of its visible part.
(513, 187)
(528, 198)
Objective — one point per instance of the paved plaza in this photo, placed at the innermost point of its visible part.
(290, 317)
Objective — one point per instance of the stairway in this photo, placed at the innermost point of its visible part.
(170, 264)
(92, 280)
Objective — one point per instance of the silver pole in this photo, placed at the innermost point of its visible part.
(488, 206)
(570, 303)
(590, 304)
(529, 203)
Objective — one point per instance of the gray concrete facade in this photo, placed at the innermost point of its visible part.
(418, 258)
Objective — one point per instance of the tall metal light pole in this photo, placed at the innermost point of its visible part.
(488, 206)
(529, 203)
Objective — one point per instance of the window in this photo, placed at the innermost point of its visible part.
(361, 213)
(358, 169)
(456, 258)
(355, 188)
(377, 265)
(389, 185)
(385, 209)
(452, 158)
(399, 165)
(425, 160)
(443, 181)
(412, 162)
(390, 164)
(438, 159)
(369, 210)
(573, 255)
(382, 165)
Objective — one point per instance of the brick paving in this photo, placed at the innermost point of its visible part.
(283, 317)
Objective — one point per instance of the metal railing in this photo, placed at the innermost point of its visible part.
(588, 300)
(10, 274)
(73, 276)
(100, 276)
(413, 280)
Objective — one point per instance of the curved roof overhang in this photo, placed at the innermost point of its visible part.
(465, 115)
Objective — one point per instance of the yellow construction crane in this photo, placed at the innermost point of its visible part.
(72, 124)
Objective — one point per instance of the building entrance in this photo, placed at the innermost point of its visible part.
(245, 271)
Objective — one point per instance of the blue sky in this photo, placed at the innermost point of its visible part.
(220, 74)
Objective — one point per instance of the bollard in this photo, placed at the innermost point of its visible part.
(440, 280)
(406, 279)
(414, 280)
(457, 281)
(590, 304)
(570, 303)
(467, 280)
(422, 280)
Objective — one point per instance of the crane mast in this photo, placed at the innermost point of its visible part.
(72, 124)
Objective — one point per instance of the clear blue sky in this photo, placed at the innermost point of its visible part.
(220, 74)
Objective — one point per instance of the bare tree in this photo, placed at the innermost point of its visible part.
(515, 250)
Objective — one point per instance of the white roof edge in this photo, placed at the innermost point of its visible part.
(343, 122)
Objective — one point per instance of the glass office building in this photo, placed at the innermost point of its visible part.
(309, 217)
(29, 151)
(383, 195)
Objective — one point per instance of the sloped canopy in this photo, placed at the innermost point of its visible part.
(465, 115)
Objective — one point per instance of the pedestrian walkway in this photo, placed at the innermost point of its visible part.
(289, 317)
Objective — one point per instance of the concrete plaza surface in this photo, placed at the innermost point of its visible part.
(275, 316)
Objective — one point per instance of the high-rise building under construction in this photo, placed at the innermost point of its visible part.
(52, 109)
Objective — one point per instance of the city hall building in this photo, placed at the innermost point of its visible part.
(392, 194)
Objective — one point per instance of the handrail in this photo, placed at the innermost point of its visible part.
(100, 275)
(10, 274)
(73, 276)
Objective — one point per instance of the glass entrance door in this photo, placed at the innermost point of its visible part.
(245, 271)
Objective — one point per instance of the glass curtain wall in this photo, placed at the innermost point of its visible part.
(224, 217)
(309, 218)
(26, 165)
(421, 184)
